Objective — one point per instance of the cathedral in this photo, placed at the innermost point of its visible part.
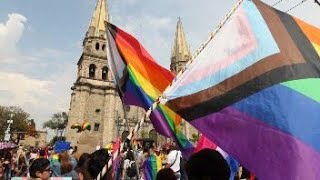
(94, 96)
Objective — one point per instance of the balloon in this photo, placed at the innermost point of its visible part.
(77, 126)
(86, 126)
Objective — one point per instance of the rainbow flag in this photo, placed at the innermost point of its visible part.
(116, 165)
(141, 80)
(52, 178)
(150, 168)
(254, 91)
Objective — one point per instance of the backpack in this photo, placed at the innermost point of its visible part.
(183, 172)
(132, 170)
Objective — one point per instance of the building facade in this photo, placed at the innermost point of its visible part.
(180, 55)
(94, 96)
(25, 139)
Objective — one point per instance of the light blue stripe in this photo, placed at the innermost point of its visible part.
(266, 47)
(116, 63)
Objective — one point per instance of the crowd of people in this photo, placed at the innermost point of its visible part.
(166, 163)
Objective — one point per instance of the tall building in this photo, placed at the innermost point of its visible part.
(94, 96)
(180, 55)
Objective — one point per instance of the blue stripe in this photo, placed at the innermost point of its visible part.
(266, 46)
(287, 110)
(134, 95)
(139, 95)
(233, 165)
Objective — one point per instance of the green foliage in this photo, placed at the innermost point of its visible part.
(55, 139)
(57, 122)
(195, 138)
(20, 119)
(143, 133)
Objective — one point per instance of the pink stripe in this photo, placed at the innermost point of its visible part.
(207, 69)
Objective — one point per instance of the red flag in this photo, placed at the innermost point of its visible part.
(204, 143)
(116, 146)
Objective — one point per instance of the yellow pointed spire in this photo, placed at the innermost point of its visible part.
(100, 15)
(180, 48)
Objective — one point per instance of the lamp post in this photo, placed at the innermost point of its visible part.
(7, 132)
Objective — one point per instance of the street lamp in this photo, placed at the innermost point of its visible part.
(7, 132)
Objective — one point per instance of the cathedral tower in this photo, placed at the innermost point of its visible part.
(94, 97)
(93, 90)
(180, 55)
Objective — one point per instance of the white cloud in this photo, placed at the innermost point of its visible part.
(24, 89)
(309, 11)
(10, 34)
(40, 98)
(39, 81)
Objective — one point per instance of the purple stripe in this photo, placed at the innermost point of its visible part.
(160, 123)
(157, 120)
(132, 99)
(266, 151)
(135, 96)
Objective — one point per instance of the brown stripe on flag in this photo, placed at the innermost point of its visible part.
(125, 74)
(289, 54)
(309, 69)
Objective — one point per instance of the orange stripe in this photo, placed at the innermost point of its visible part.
(312, 32)
(143, 63)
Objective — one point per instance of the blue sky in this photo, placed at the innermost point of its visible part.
(40, 41)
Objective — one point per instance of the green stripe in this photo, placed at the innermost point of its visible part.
(133, 77)
(175, 129)
(308, 87)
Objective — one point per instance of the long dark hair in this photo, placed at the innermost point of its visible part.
(65, 162)
(97, 161)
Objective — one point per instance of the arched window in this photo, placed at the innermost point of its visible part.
(92, 70)
(97, 46)
(104, 73)
(103, 47)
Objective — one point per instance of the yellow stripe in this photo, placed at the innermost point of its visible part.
(145, 84)
(317, 48)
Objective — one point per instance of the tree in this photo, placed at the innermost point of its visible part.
(58, 122)
(20, 119)
(143, 133)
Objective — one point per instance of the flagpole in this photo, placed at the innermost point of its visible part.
(128, 128)
(162, 98)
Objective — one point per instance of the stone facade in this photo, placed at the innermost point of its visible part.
(180, 55)
(40, 140)
(94, 96)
